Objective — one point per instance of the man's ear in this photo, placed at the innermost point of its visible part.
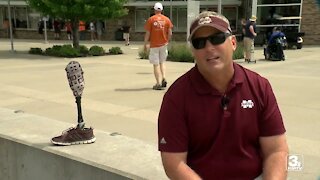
(234, 42)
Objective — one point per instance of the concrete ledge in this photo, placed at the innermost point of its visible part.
(26, 153)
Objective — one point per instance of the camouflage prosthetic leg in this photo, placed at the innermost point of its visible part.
(76, 83)
(79, 134)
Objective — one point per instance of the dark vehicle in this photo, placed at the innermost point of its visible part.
(274, 49)
(294, 39)
(288, 26)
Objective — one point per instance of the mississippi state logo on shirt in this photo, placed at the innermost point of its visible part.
(247, 104)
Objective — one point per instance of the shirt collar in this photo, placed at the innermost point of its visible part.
(203, 87)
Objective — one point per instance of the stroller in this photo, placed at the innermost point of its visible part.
(275, 46)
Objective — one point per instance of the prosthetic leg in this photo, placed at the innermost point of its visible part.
(76, 83)
(79, 134)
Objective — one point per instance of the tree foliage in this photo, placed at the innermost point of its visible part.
(75, 10)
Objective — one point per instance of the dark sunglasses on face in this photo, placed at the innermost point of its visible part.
(214, 39)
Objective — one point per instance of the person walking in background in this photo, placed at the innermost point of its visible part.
(57, 29)
(40, 26)
(6, 27)
(158, 32)
(126, 33)
(69, 30)
(248, 41)
(92, 31)
(82, 30)
(99, 27)
(220, 120)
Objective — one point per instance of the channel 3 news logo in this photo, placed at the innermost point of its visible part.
(295, 162)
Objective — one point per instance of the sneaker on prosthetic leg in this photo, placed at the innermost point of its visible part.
(75, 135)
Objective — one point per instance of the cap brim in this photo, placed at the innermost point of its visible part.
(220, 28)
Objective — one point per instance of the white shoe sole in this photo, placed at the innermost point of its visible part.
(74, 143)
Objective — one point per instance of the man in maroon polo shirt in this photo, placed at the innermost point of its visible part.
(220, 120)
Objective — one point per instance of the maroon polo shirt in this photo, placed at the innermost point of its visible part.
(222, 143)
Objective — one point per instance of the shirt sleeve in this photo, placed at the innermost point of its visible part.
(271, 123)
(172, 126)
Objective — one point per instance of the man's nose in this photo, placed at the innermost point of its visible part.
(209, 45)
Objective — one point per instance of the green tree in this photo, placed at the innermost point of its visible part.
(76, 10)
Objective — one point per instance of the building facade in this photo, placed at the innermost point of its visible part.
(293, 15)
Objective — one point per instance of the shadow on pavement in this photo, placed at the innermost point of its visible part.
(144, 73)
(8, 54)
(133, 89)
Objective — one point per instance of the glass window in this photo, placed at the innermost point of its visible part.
(33, 19)
(215, 9)
(20, 16)
(179, 18)
(2, 16)
(278, 15)
(285, 16)
(142, 15)
(183, 19)
(278, 1)
(174, 18)
(231, 13)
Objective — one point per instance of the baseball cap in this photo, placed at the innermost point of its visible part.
(210, 19)
(158, 6)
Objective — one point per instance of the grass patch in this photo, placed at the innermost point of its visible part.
(69, 51)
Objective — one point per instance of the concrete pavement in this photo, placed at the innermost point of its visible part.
(118, 95)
